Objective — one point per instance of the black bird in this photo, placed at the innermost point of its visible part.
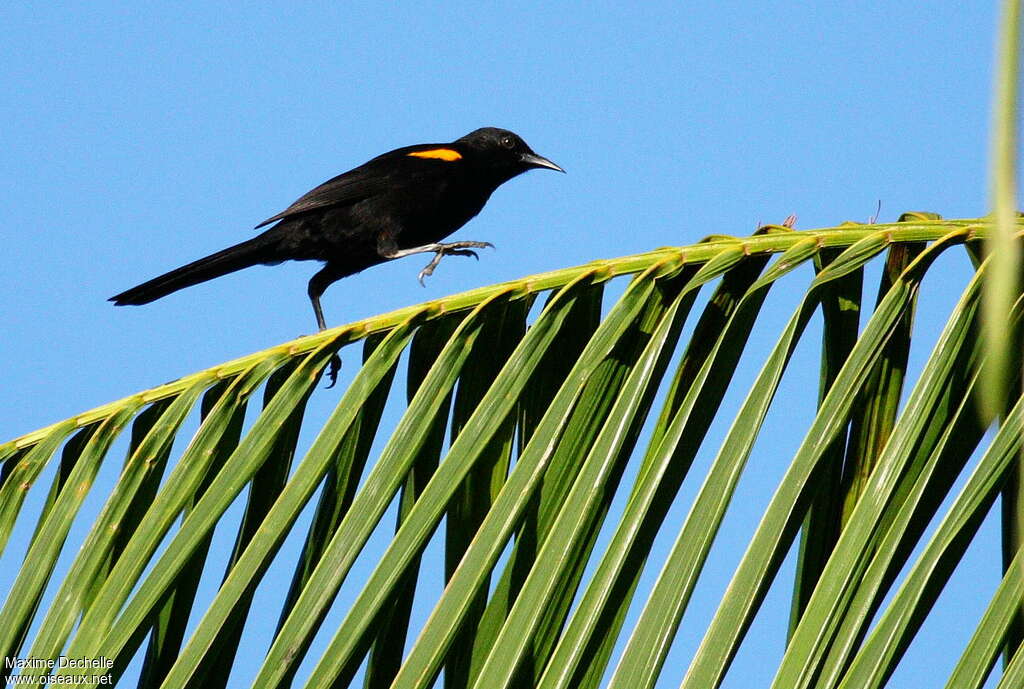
(400, 203)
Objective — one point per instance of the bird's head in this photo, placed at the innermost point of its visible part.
(501, 153)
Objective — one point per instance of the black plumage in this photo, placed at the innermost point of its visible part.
(400, 203)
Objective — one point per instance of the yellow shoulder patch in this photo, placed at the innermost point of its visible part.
(439, 153)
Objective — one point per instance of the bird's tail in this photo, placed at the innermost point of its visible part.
(254, 251)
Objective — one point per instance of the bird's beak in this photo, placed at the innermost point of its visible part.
(534, 160)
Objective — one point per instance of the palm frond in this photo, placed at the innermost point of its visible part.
(529, 438)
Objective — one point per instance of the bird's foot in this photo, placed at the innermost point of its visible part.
(451, 249)
(333, 367)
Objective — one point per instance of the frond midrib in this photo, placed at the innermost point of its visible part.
(769, 239)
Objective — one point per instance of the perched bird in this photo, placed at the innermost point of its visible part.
(400, 203)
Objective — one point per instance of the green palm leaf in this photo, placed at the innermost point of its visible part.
(577, 391)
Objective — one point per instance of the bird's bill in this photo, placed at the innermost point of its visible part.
(534, 160)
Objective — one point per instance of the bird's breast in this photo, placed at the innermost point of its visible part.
(430, 215)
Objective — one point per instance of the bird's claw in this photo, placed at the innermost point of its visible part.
(332, 370)
(429, 268)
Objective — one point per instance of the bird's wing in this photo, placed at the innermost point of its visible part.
(371, 178)
(345, 189)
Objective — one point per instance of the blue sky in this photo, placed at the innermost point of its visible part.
(140, 137)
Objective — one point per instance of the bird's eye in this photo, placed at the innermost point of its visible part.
(508, 142)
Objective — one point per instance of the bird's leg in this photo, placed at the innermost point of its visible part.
(387, 248)
(452, 249)
(316, 288)
(319, 313)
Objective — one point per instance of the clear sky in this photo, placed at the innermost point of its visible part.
(140, 136)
